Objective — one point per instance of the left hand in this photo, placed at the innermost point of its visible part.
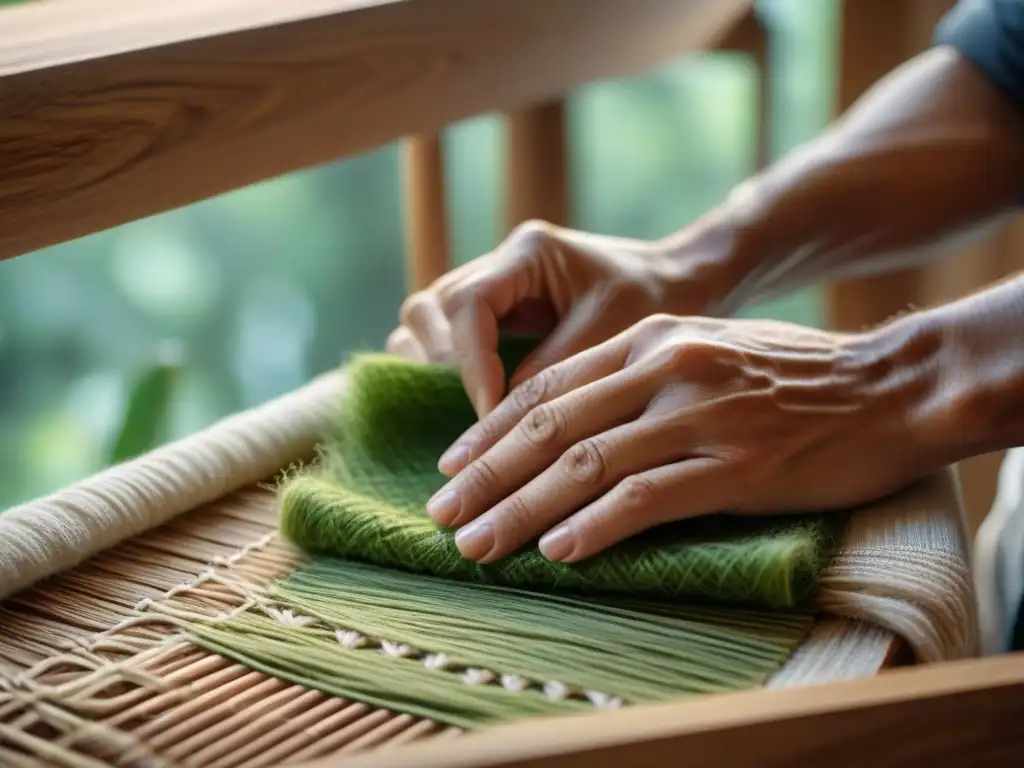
(680, 417)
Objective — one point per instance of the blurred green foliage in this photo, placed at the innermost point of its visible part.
(267, 286)
(144, 422)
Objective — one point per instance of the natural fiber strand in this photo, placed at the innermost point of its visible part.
(470, 654)
(198, 709)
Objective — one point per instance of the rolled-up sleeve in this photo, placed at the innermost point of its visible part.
(990, 34)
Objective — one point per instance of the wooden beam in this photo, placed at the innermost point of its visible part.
(963, 713)
(536, 166)
(114, 110)
(427, 254)
(875, 38)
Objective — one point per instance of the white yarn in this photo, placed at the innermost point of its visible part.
(903, 564)
(55, 533)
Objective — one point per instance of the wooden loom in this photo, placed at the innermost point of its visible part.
(90, 672)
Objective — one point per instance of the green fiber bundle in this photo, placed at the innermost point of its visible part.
(366, 502)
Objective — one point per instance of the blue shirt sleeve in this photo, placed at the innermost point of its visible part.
(989, 34)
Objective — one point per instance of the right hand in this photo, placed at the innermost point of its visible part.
(573, 288)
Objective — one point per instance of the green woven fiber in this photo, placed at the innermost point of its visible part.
(624, 624)
(634, 650)
(366, 502)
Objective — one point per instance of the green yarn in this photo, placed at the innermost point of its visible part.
(388, 613)
(366, 502)
(621, 647)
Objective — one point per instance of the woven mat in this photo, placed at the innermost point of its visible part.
(94, 669)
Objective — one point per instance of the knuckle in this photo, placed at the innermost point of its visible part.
(455, 298)
(543, 426)
(585, 463)
(413, 307)
(635, 495)
(674, 357)
(532, 235)
(516, 512)
(481, 477)
(532, 392)
(656, 323)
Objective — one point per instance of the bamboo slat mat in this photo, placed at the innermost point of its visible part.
(94, 671)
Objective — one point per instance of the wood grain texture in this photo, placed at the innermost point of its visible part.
(963, 713)
(99, 129)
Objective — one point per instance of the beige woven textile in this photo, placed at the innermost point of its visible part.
(94, 669)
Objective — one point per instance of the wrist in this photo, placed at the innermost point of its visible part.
(956, 381)
(707, 264)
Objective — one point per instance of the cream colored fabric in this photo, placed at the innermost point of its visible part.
(57, 532)
(902, 564)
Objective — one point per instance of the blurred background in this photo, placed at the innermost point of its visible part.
(232, 301)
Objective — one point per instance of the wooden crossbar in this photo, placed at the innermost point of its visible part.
(115, 110)
(965, 713)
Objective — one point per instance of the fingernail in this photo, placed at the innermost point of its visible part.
(453, 460)
(558, 544)
(475, 540)
(443, 508)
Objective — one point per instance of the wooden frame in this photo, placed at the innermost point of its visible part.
(964, 713)
(97, 132)
(107, 122)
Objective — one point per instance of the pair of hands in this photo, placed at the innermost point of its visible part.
(627, 417)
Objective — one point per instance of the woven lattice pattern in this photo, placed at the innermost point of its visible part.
(367, 502)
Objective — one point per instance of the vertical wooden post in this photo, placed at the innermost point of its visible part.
(750, 37)
(875, 38)
(537, 165)
(426, 218)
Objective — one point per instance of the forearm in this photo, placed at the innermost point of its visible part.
(931, 155)
(961, 369)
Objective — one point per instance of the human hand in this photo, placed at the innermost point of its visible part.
(575, 289)
(680, 417)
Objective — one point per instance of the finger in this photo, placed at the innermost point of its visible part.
(557, 381)
(641, 501)
(475, 341)
(587, 470)
(476, 308)
(422, 315)
(536, 444)
(577, 332)
(479, 302)
(402, 343)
